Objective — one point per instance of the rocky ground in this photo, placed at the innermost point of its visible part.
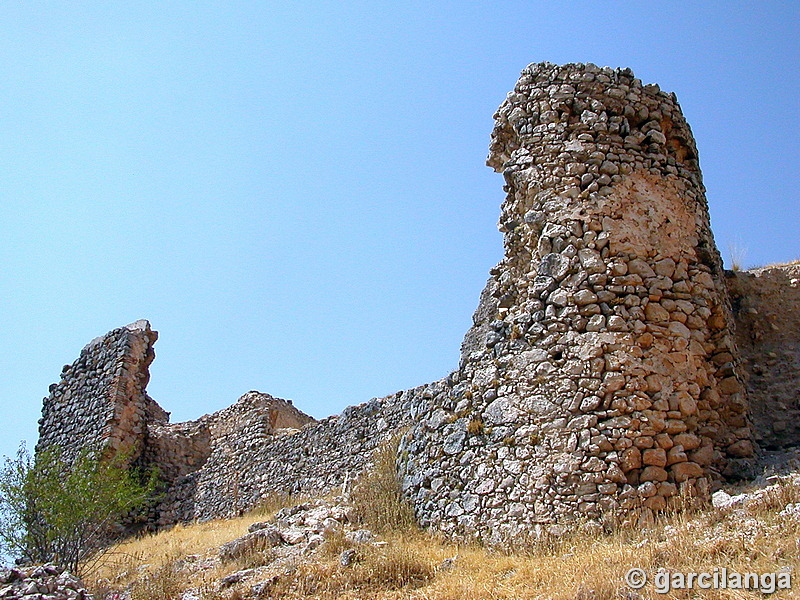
(45, 582)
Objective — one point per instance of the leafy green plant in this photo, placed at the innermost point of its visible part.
(54, 510)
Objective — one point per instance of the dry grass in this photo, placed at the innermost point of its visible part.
(376, 496)
(577, 567)
(789, 263)
(475, 427)
(148, 562)
(583, 566)
(774, 499)
(737, 254)
(163, 548)
(374, 572)
(165, 582)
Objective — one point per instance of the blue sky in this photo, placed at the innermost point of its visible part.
(295, 194)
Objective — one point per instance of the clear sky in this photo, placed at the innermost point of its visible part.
(294, 194)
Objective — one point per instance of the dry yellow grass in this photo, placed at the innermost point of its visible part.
(161, 583)
(576, 567)
(396, 568)
(156, 555)
(789, 263)
(163, 548)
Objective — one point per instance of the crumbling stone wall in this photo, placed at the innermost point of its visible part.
(250, 461)
(600, 376)
(181, 448)
(766, 303)
(100, 402)
(223, 463)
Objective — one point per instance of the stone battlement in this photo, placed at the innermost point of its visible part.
(612, 365)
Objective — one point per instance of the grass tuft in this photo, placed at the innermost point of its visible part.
(373, 572)
(475, 427)
(377, 499)
(165, 582)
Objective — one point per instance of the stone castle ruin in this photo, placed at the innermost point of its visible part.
(613, 364)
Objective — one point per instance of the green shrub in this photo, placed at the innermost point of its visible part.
(52, 510)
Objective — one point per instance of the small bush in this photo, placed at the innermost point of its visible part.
(54, 510)
(475, 427)
(377, 498)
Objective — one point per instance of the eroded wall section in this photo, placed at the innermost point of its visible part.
(100, 402)
(766, 303)
(249, 460)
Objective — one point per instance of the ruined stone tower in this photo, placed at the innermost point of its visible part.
(599, 378)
